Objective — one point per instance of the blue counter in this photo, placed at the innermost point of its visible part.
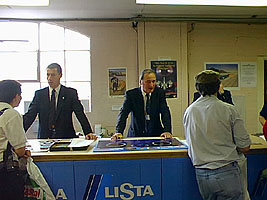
(151, 178)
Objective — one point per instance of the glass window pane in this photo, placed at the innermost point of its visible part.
(18, 36)
(46, 58)
(78, 66)
(83, 89)
(18, 66)
(44, 84)
(51, 37)
(76, 41)
(28, 90)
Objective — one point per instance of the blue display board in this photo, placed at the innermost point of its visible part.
(149, 179)
(119, 179)
(60, 177)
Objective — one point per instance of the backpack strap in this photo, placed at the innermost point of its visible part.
(8, 151)
(2, 111)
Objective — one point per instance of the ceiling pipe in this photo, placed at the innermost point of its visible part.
(246, 20)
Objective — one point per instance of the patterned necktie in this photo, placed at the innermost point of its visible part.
(52, 110)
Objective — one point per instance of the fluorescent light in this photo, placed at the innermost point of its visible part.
(24, 2)
(206, 2)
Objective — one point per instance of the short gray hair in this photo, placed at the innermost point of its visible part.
(146, 71)
(55, 66)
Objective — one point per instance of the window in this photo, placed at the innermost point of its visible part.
(27, 48)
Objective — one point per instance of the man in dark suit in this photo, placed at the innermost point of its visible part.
(54, 106)
(148, 107)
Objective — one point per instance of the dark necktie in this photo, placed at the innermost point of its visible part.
(147, 104)
(148, 117)
(52, 110)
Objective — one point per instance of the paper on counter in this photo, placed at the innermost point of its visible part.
(77, 142)
(262, 137)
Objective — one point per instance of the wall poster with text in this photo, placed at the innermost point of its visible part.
(117, 81)
(229, 73)
(166, 72)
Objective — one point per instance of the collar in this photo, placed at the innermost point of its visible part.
(5, 105)
(57, 89)
(144, 94)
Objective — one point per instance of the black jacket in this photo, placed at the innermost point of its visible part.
(134, 104)
(68, 103)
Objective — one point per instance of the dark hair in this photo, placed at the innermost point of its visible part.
(146, 71)
(8, 90)
(55, 66)
(208, 82)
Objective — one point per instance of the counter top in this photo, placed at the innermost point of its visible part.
(259, 145)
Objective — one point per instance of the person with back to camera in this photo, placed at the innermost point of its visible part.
(223, 95)
(12, 138)
(217, 139)
(148, 107)
(54, 106)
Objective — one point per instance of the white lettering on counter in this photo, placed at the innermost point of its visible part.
(128, 191)
(61, 194)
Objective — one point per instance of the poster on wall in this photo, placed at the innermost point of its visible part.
(248, 74)
(117, 81)
(166, 74)
(229, 73)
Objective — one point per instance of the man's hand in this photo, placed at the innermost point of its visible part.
(91, 136)
(166, 135)
(27, 153)
(116, 136)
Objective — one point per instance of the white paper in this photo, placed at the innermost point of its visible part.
(248, 74)
(262, 137)
(77, 142)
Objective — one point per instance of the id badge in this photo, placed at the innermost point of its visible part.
(147, 117)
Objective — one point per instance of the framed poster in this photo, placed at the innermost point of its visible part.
(117, 82)
(229, 73)
(166, 74)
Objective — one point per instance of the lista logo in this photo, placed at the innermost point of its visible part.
(127, 191)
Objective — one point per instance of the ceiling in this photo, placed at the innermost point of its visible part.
(128, 10)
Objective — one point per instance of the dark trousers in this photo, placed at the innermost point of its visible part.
(11, 185)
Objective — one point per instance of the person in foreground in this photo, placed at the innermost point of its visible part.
(11, 134)
(217, 139)
(54, 106)
(148, 107)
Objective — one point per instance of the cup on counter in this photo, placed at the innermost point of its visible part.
(98, 130)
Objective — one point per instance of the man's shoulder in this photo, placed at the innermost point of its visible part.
(134, 90)
(67, 89)
(158, 91)
(227, 92)
(42, 90)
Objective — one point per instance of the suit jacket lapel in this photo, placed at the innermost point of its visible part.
(140, 101)
(153, 99)
(60, 100)
(45, 100)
